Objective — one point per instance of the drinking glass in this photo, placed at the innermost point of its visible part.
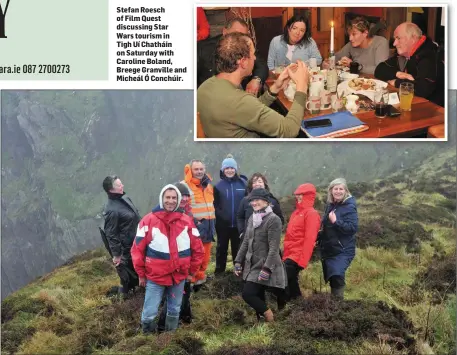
(380, 103)
(406, 96)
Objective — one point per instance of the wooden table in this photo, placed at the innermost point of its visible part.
(423, 114)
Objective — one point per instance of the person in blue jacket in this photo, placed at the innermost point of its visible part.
(228, 194)
(337, 235)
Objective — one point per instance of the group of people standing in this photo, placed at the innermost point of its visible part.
(170, 247)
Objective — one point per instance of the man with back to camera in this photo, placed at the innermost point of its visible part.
(206, 67)
(228, 112)
(121, 221)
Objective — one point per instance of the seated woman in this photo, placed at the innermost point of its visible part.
(363, 48)
(259, 259)
(295, 43)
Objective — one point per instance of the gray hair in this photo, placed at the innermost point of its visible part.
(412, 30)
(195, 161)
(338, 181)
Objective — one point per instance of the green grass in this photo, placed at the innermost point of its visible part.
(407, 240)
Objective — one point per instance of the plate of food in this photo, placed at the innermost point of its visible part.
(363, 86)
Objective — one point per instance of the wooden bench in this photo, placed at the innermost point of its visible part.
(436, 131)
(200, 132)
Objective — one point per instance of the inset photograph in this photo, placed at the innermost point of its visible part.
(329, 72)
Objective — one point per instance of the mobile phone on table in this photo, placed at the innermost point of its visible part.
(392, 111)
(325, 122)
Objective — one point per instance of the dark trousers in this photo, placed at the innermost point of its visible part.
(337, 281)
(224, 236)
(292, 270)
(254, 295)
(127, 275)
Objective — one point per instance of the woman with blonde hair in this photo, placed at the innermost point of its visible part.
(337, 235)
(363, 47)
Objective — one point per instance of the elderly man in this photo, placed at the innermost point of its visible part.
(417, 62)
(201, 201)
(205, 59)
(228, 112)
(167, 252)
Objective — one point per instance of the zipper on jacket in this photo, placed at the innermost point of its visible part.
(233, 204)
(207, 210)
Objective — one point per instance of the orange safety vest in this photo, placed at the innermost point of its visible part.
(201, 198)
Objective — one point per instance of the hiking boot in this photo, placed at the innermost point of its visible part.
(338, 293)
(219, 272)
(171, 323)
(149, 327)
(268, 314)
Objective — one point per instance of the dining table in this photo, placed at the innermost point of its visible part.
(408, 124)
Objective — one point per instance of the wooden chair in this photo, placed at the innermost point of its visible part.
(200, 132)
(436, 131)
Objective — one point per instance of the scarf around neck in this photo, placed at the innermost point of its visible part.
(257, 217)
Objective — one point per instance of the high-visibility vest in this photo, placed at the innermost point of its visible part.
(201, 199)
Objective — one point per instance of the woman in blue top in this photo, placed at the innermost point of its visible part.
(337, 235)
(295, 43)
(228, 193)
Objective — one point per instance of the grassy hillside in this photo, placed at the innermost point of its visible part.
(400, 293)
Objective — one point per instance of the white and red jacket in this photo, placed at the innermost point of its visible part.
(167, 247)
(302, 228)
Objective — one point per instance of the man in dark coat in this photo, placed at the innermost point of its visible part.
(418, 62)
(121, 222)
(206, 65)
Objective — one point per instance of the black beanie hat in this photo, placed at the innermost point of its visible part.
(260, 194)
(182, 189)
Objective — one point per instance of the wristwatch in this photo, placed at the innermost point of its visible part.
(258, 79)
(272, 94)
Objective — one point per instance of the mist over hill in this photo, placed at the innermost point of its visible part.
(57, 146)
(399, 298)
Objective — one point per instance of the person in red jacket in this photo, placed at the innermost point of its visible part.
(167, 251)
(202, 25)
(301, 235)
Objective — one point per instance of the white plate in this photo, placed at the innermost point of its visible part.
(348, 76)
(344, 89)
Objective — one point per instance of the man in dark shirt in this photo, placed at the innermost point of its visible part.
(121, 222)
(417, 61)
(205, 59)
